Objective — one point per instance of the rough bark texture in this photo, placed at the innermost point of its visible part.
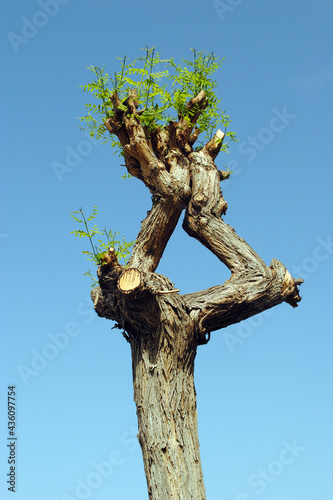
(163, 371)
(163, 341)
(163, 327)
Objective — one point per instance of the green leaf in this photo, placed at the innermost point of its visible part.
(122, 248)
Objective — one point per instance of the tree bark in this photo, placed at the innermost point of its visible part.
(164, 393)
(163, 327)
(163, 342)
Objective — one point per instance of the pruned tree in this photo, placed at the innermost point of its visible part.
(163, 327)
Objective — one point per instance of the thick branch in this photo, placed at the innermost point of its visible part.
(253, 287)
(163, 169)
(242, 297)
(203, 219)
(156, 230)
(168, 203)
(137, 145)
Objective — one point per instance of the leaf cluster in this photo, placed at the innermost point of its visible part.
(109, 239)
(163, 88)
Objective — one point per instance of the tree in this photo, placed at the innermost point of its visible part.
(163, 327)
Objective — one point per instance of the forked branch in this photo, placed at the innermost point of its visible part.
(253, 286)
(181, 178)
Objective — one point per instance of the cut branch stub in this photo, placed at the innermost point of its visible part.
(185, 125)
(214, 145)
(110, 259)
(130, 280)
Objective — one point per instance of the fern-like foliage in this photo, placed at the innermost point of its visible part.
(163, 90)
(109, 239)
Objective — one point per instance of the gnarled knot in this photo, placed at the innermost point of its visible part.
(156, 165)
(199, 200)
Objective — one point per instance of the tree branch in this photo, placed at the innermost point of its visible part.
(253, 286)
(185, 125)
(241, 297)
(156, 159)
(156, 230)
(214, 145)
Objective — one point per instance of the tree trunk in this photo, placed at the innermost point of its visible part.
(164, 340)
(165, 398)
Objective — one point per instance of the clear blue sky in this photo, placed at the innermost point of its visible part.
(264, 386)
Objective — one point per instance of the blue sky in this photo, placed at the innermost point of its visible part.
(264, 386)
